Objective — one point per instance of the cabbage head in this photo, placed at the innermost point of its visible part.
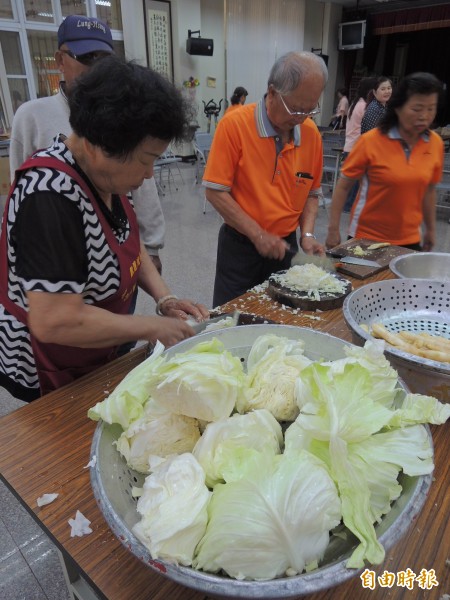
(215, 449)
(203, 382)
(272, 521)
(273, 365)
(173, 509)
(158, 433)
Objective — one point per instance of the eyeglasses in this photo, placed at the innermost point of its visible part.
(299, 113)
(87, 59)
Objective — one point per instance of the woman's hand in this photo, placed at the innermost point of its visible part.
(183, 309)
(169, 331)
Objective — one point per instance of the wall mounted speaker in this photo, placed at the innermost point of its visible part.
(199, 46)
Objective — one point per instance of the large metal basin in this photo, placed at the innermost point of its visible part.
(112, 481)
(422, 265)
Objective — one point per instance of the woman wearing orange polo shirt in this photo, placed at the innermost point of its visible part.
(398, 165)
(237, 99)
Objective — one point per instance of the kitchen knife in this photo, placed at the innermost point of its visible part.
(301, 258)
(353, 260)
(199, 327)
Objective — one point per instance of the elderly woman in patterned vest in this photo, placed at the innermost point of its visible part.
(71, 258)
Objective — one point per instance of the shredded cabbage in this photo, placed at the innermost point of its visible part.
(312, 280)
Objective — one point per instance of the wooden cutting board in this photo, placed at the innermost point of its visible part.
(289, 297)
(383, 256)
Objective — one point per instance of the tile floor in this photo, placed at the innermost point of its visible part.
(29, 563)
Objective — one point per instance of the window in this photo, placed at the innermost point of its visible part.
(14, 68)
(6, 11)
(43, 45)
(109, 12)
(73, 7)
(39, 11)
(28, 42)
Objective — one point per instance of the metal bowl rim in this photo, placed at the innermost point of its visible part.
(318, 580)
(413, 257)
(419, 361)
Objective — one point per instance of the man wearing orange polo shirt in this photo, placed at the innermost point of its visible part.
(263, 176)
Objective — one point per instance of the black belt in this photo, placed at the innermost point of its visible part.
(240, 236)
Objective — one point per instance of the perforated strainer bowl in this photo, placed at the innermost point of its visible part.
(416, 305)
(112, 482)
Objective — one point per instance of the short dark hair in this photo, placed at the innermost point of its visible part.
(237, 94)
(415, 83)
(117, 104)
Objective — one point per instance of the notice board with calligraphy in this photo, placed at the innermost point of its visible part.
(158, 32)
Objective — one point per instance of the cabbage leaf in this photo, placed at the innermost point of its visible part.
(173, 509)
(203, 382)
(125, 403)
(215, 449)
(271, 521)
(353, 425)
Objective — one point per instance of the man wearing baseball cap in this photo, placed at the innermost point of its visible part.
(82, 41)
(83, 35)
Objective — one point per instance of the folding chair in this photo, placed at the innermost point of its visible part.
(202, 145)
(165, 163)
(443, 190)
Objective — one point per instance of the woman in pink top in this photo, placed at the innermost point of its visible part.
(340, 117)
(353, 127)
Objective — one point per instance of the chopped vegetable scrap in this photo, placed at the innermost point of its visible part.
(46, 499)
(378, 245)
(358, 251)
(79, 525)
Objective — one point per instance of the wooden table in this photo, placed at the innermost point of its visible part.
(45, 448)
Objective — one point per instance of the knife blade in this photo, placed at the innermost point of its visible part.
(353, 260)
(199, 327)
(301, 258)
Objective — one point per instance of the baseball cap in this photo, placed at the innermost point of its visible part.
(84, 34)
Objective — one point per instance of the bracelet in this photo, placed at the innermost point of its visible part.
(162, 301)
(311, 235)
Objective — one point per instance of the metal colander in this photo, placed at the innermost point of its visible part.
(112, 482)
(416, 305)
